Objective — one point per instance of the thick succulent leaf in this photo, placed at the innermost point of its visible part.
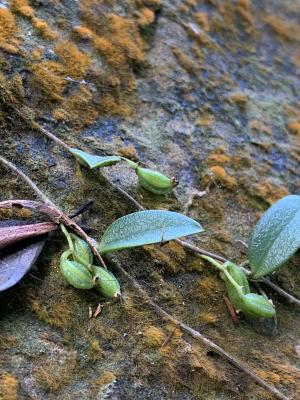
(146, 227)
(93, 161)
(16, 262)
(276, 236)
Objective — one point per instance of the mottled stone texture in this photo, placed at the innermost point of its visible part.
(207, 91)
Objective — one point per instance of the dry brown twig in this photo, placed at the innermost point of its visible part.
(58, 216)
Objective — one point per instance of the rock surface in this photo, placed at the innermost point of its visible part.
(207, 91)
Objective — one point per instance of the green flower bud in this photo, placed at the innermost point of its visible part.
(106, 282)
(75, 273)
(82, 251)
(155, 182)
(256, 305)
(239, 276)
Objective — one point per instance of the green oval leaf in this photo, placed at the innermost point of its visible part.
(276, 236)
(147, 227)
(93, 161)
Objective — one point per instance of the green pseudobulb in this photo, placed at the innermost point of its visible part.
(257, 305)
(154, 181)
(239, 276)
(75, 273)
(106, 282)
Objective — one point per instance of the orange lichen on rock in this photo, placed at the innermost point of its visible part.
(36, 54)
(221, 176)
(77, 109)
(208, 285)
(146, 17)
(106, 378)
(277, 370)
(7, 30)
(83, 32)
(260, 126)
(59, 315)
(243, 9)
(75, 61)
(206, 119)
(124, 33)
(50, 77)
(186, 62)
(218, 156)
(270, 192)
(9, 387)
(154, 337)
(110, 104)
(112, 54)
(239, 98)
(149, 3)
(208, 318)
(128, 151)
(294, 127)
(44, 29)
(285, 29)
(7, 24)
(22, 7)
(202, 19)
(120, 42)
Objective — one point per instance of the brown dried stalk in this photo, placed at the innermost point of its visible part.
(59, 217)
(12, 234)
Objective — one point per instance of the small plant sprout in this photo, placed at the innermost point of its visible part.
(238, 289)
(80, 272)
(136, 229)
(152, 181)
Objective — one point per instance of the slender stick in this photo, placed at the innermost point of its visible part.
(50, 135)
(60, 217)
(29, 182)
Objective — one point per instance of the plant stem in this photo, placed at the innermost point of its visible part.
(72, 250)
(60, 217)
(66, 233)
(224, 270)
